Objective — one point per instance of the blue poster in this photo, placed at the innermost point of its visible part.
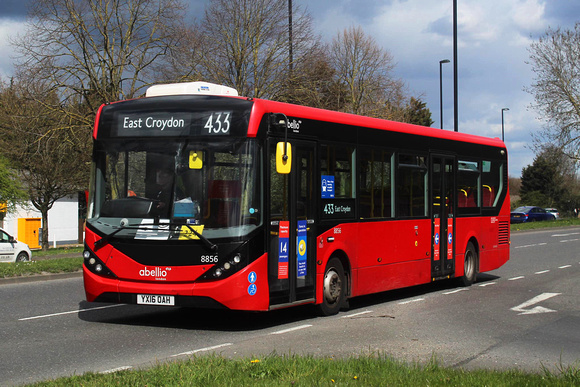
(302, 248)
(327, 187)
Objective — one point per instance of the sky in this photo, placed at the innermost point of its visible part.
(494, 37)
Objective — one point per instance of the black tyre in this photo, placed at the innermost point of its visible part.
(334, 288)
(469, 265)
(22, 257)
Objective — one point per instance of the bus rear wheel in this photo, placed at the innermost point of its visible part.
(469, 265)
(334, 288)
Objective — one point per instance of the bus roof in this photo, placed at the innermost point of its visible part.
(262, 106)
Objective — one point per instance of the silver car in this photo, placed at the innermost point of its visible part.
(553, 211)
(11, 250)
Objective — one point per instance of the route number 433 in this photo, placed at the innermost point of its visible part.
(218, 123)
(329, 209)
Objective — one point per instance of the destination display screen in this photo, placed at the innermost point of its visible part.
(173, 124)
(175, 116)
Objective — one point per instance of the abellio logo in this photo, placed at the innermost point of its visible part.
(158, 273)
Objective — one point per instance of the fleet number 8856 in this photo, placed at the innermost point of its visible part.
(209, 259)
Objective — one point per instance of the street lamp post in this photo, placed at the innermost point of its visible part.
(502, 127)
(441, 89)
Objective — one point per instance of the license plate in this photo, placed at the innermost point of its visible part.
(153, 299)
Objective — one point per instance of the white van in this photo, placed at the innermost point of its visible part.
(11, 250)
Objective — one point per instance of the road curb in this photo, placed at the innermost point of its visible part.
(39, 278)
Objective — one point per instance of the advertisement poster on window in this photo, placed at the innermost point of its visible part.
(301, 248)
(283, 239)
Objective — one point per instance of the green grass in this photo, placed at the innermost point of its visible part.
(565, 222)
(58, 251)
(57, 265)
(292, 370)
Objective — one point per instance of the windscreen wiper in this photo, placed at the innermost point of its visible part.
(98, 244)
(212, 246)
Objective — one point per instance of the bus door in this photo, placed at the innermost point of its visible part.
(291, 234)
(442, 216)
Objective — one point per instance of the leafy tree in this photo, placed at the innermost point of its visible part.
(11, 192)
(550, 180)
(417, 113)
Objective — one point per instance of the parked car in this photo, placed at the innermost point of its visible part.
(11, 250)
(553, 211)
(527, 214)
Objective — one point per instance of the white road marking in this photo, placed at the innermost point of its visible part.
(533, 245)
(70, 312)
(487, 284)
(203, 349)
(538, 309)
(111, 371)
(568, 240)
(542, 272)
(410, 301)
(516, 278)
(456, 291)
(291, 329)
(357, 314)
(562, 235)
(565, 267)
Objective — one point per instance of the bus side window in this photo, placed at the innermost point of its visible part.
(375, 184)
(412, 186)
(492, 182)
(468, 183)
(338, 161)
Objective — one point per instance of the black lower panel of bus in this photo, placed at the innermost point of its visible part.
(185, 301)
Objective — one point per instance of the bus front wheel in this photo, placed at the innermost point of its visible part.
(469, 265)
(334, 288)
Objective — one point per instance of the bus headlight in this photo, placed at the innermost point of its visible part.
(95, 265)
(233, 262)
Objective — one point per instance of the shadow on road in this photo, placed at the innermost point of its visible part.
(235, 321)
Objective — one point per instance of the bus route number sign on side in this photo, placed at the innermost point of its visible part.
(327, 187)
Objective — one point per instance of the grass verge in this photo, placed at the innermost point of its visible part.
(57, 265)
(292, 370)
(565, 222)
(54, 252)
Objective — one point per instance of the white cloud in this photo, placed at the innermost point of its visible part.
(8, 29)
(493, 40)
(529, 15)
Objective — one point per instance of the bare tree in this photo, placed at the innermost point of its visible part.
(75, 56)
(246, 44)
(365, 70)
(51, 163)
(555, 60)
(96, 51)
(313, 82)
